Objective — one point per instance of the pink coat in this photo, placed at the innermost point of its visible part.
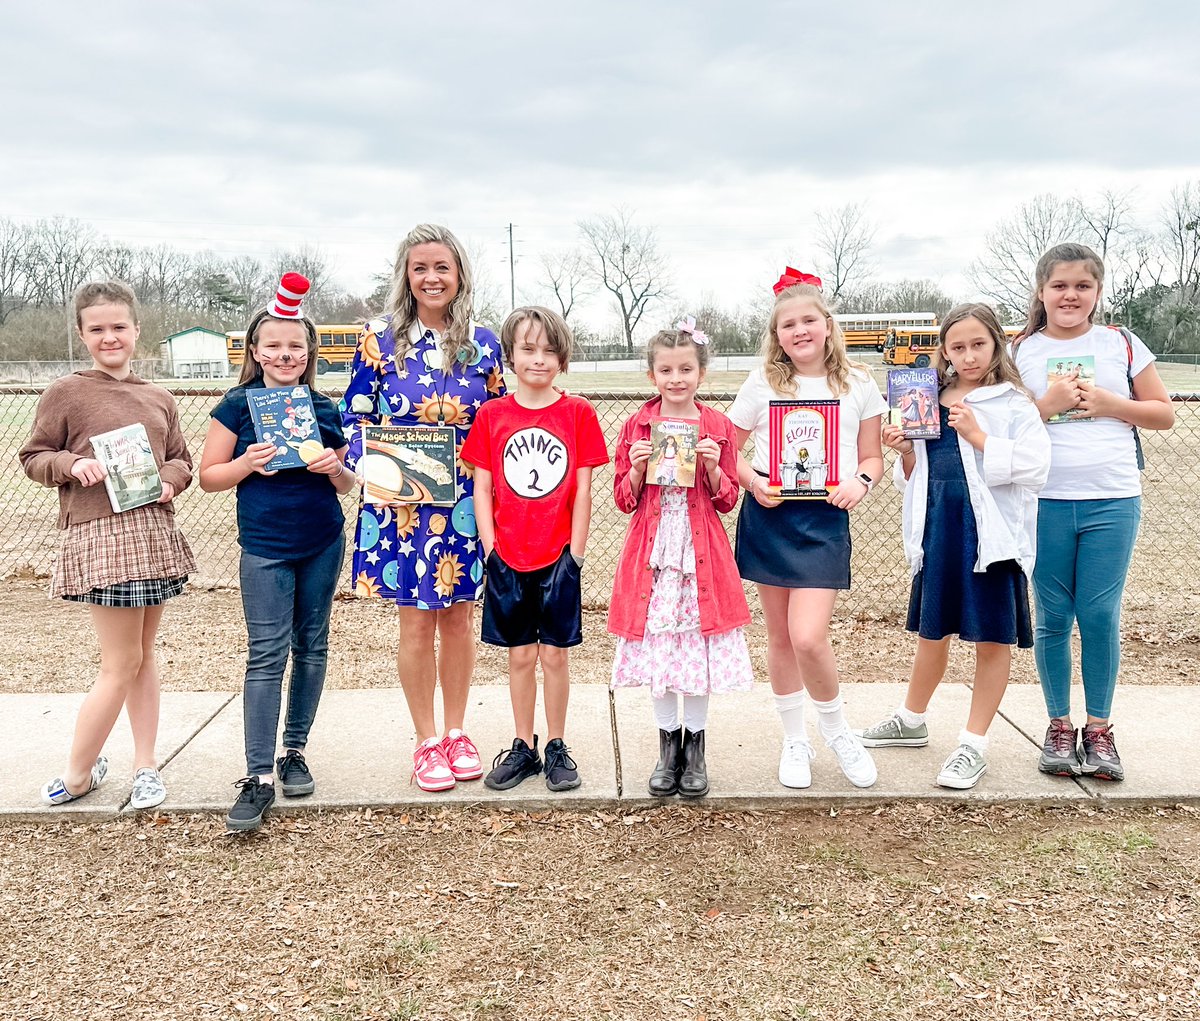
(722, 600)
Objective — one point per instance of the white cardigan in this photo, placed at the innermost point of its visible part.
(1003, 480)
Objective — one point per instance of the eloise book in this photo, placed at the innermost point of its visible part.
(673, 462)
(130, 472)
(408, 464)
(912, 396)
(1057, 369)
(285, 416)
(803, 449)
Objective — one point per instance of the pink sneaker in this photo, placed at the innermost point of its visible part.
(430, 768)
(462, 755)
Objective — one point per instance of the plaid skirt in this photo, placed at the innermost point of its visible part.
(139, 545)
(143, 592)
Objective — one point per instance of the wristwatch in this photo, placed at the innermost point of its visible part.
(866, 480)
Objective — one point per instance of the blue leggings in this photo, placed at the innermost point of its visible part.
(1083, 553)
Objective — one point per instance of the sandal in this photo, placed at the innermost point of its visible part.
(56, 793)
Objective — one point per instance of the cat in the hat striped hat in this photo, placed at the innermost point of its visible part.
(281, 341)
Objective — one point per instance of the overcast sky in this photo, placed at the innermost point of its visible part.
(243, 127)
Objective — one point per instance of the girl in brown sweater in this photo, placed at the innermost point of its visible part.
(124, 565)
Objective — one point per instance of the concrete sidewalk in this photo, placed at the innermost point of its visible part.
(360, 752)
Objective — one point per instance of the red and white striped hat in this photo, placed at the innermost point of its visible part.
(292, 289)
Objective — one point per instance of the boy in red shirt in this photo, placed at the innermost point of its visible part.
(533, 453)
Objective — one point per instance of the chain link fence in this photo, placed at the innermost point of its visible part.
(1163, 577)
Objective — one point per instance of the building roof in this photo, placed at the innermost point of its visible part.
(193, 329)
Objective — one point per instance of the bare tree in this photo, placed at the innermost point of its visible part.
(844, 239)
(897, 296)
(162, 274)
(626, 261)
(1181, 240)
(14, 267)
(566, 274)
(251, 281)
(62, 256)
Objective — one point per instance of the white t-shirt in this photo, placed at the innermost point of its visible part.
(751, 407)
(1091, 458)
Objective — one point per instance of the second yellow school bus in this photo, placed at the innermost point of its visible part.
(335, 347)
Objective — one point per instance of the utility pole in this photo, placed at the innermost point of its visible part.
(512, 272)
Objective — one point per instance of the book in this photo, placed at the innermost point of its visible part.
(408, 464)
(285, 416)
(803, 450)
(673, 462)
(130, 472)
(1083, 367)
(912, 396)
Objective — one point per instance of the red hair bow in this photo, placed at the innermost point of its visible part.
(792, 277)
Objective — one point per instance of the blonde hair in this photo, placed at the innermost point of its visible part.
(402, 303)
(672, 339)
(251, 370)
(1067, 252)
(778, 367)
(1001, 369)
(104, 292)
(559, 338)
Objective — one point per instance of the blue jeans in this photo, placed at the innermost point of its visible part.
(287, 605)
(1083, 553)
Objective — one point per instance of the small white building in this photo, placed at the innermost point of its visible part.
(197, 353)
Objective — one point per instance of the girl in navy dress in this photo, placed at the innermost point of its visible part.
(970, 528)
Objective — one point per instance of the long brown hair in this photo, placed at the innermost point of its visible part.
(778, 367)
(1067, 252)
(1001, 369)
(252, 371)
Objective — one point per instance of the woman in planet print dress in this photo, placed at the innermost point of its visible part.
(423, 363)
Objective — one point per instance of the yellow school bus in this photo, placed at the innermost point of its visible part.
(870, 329)
(335, 347)
(917, 346)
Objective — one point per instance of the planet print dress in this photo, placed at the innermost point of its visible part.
(419, 555)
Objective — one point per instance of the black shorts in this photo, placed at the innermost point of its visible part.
(524, 607)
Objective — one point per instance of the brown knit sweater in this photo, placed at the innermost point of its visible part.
(77, 407)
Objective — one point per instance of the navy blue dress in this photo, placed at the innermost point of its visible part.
(948, 596)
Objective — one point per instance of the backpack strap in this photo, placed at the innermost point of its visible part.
(1137, 436)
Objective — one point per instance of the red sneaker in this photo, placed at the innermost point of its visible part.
(462, 755)
(431, 770)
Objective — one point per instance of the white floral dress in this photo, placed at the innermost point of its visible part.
(674, 656)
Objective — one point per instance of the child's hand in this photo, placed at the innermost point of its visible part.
(328, 463)
(1096, 402)
(1061, 395)
(168, 493)
(962, 420)
(763, 494)
(708, 452)
(893, 436)
(848, 495)
(88, 471)
(639, 455)
(258, 455)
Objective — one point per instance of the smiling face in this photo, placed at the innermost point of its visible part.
(676, 375)
(281, 348)
(1070, 295)
(110, 335)
(535, 362)
(802, 330)
(971, 349)
(433, 280)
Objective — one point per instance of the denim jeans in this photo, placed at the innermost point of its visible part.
(1083, 553)
(287, 605)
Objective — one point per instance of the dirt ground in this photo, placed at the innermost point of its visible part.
(904, 912)
(49, 646)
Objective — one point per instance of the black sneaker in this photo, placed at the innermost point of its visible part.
(252, 803)
(561, 772)
(293, 774)
(509, 768)
(1100, 758)
(1060, 756)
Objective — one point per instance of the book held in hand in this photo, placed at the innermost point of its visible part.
(673, 462)
(912, 396)
(285, 416)
(408, 464)
(803, 451)
(1082, 367)
(130, 472)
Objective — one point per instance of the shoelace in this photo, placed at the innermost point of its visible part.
(846, 748)
(249, 788)
(1101, 740)
(459, 747)
(293, 762)
(794, 743)
(959, 762)
(1062, 740)
(559, 757)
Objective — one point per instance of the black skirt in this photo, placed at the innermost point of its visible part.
(799, 544)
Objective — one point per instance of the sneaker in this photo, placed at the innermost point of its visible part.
(431, 769)
(1100, 758)
(963, 769)
(294, 777)
(148, 789)
(561, 772)
(794, 768)
(855, 760)
(55, 792)
(894, 733)
(1060, 755)
(462, 755)
(509, 768)
(253, 800)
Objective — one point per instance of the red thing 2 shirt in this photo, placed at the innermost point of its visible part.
(533, 455)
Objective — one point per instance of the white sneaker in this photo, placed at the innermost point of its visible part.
(794, 769)
(855, 760)
(148, 789)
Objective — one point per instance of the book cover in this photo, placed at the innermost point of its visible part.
(673, 462)
(130, 472)
(1083, 367)
(912, 396)
(286, 417)
(408, 464)
(803, 449)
